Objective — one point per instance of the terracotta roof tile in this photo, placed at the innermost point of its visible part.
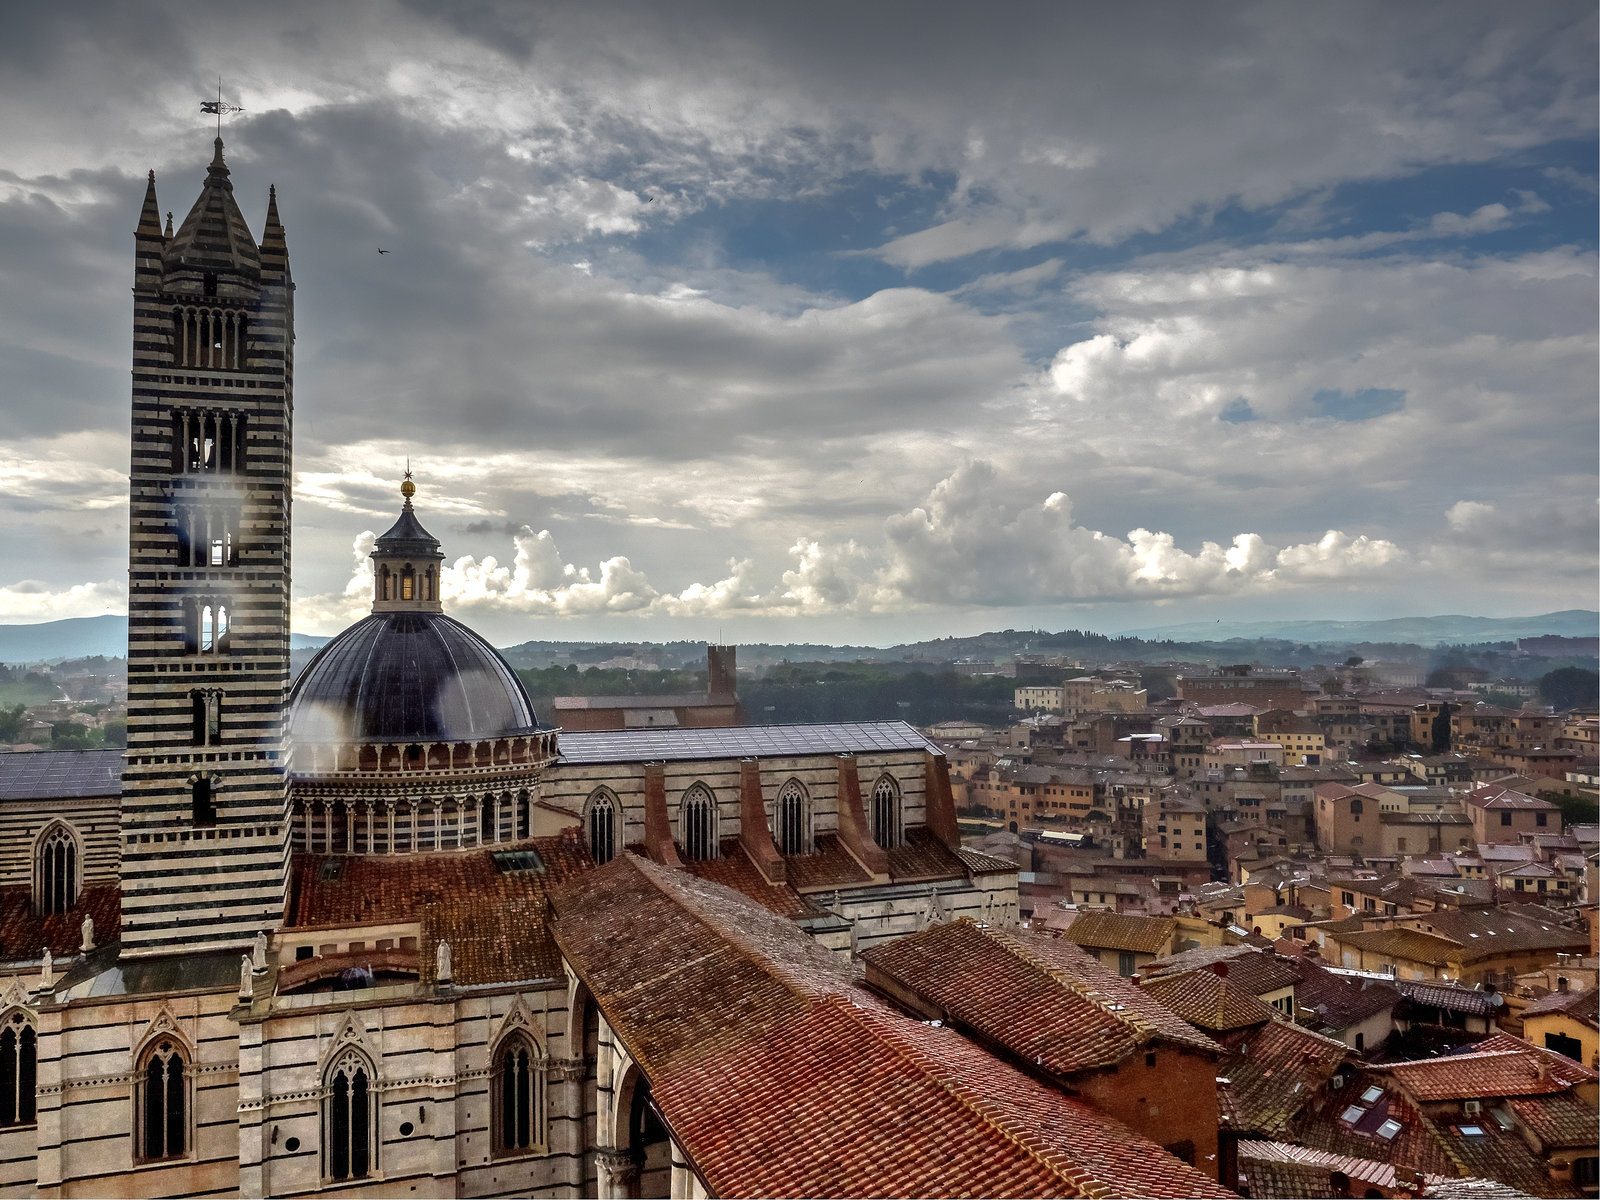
(1253, 969)
(1562, 1120)
(1476, 1076)
(1272, 1073)
(1041, 998)
(1205, 999)
(495, 922)
(1560, 1066)
(1449, 996)
(779, 1076)
(924, 856)
(24, 934)
(979, 863)
(733, 868)
(1583, 1006)
(1117, 931)
(1338, 1000)
(828, 866)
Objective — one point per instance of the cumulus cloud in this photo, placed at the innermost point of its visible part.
(966, 544)
(30, 601)
(1537, 537)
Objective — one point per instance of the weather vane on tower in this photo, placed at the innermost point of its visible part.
(219, 108)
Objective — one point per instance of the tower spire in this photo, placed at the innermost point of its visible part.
(150, 214)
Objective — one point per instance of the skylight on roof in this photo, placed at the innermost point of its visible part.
(1389, 1128)
(1352, 1114)
(1372, 1093)
(1472, 1130)
(509, 862)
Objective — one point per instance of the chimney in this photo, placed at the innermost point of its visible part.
(721, 670)
(1542, 1068)
(1561, 983)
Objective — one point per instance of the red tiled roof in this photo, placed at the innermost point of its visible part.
(24, 934)
(1272, 1073)
(734, 869)
(1562, 1120)
(829, 865)
(924, 856)
(1041, 998)
(1581, 1006)
(495, 923)
(1559, 1065)
(779, 1076)
(1250, 968)
(978, 863)
(1117, 931)
(1475, 1076)
(1338, 1000)
(1203, 998)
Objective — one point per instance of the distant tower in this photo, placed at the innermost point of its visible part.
(204, 794)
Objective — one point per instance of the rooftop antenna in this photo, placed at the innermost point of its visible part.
(218, 107)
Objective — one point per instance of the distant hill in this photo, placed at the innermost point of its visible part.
(1420, 631)
(80, 637)
(75, 637)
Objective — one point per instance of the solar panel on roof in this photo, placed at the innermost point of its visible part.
(743, 741)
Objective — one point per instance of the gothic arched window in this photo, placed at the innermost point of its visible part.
(163, 1102)
(55, 871)
(347, 1141)
(791, 820)
(19, 1049)
(519, 1096)
(886, 812)
(697, 823)
(602, 826)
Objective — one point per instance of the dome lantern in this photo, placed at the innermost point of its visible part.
(406, 562)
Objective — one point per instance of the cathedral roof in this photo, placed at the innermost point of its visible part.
(408, 676)
(214, 236)
(779, 1075)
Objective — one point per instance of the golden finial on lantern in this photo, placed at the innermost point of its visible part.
(407, 488)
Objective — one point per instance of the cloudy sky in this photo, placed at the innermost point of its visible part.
(847, 322)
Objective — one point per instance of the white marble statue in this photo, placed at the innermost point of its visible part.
(441, 963)
(87, 929)
(47, 968)
(247, 982)
(258, 953)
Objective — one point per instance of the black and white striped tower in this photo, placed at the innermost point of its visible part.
(204, 837)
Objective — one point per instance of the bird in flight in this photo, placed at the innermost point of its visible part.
(381, 250)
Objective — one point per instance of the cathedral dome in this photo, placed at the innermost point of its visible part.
(408, 676)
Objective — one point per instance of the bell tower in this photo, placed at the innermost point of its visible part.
(205, 844)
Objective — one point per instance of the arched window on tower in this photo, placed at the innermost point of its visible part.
(55, 871)
(347, 1141)
(602, 826)
(19, 1069)
(697, 823)
(163, 1102)
(408, 583)
(886, 823)
(520, 1117)
(791, 820)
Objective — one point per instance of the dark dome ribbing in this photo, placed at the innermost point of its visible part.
(408, 676)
